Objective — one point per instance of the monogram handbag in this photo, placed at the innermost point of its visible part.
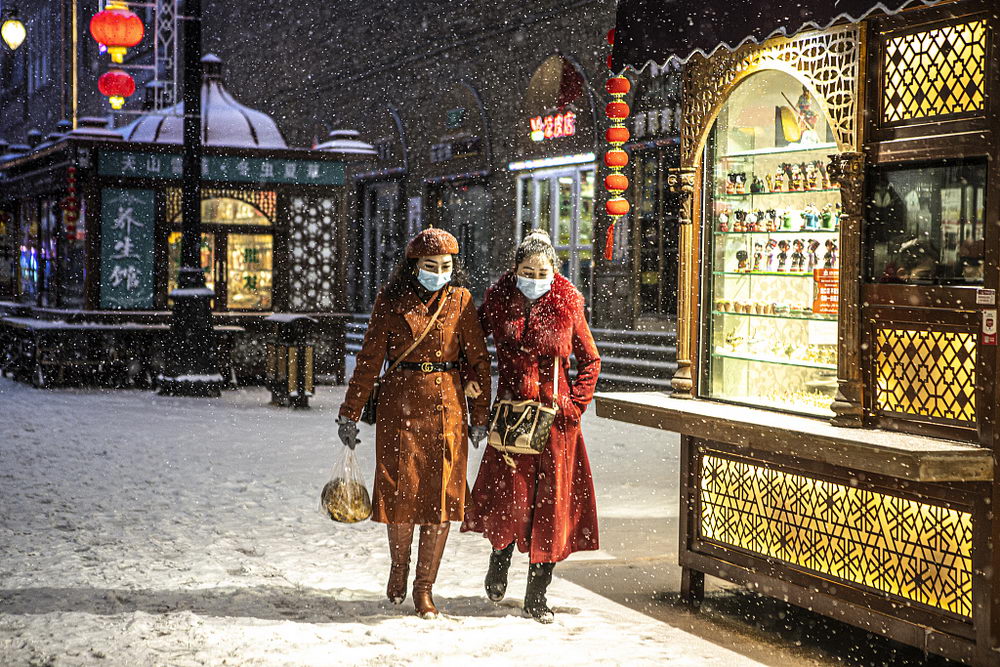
(368, 412)
(523, 427)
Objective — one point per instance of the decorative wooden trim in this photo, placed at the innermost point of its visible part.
(848, 171)
(681, 182)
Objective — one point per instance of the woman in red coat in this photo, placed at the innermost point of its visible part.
(544, 504)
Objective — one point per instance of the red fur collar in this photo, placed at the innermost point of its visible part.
(548, 331)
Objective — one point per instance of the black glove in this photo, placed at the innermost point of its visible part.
(348, 431)
(477, 434)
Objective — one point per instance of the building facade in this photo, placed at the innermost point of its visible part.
(489, 120)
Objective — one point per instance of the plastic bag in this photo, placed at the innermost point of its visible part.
(345, 497)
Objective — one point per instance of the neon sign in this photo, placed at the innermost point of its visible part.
(554, 126)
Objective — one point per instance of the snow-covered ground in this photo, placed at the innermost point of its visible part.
(142, 530)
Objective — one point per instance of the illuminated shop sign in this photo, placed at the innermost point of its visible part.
(554, 126)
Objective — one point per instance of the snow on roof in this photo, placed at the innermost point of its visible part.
(346, 141)
(225, 122)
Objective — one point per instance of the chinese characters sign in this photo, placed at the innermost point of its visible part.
(554, 126)
(223, 168)
(128, 220)
(826, 291)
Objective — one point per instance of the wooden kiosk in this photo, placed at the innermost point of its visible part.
(837, 313)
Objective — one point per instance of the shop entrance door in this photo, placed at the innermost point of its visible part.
(464, 210)
(561, 201)
(379, 249)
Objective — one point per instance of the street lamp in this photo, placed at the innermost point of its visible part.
(13, 31)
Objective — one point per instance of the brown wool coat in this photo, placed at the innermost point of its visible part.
(421, 439)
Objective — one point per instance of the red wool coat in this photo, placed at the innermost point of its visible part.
(546, 504)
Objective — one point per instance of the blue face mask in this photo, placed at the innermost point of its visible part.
(433, 281)
(532, 288)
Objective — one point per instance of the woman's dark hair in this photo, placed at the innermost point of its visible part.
(537, 242)
(403, 276)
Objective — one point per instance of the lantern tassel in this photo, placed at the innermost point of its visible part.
(609, 241)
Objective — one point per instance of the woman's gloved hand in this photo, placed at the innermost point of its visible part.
(477, 434)
(348, 431)
(473, 390)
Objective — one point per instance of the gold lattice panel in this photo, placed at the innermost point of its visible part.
(935, 73)
(926, 373)
(830, 61)
(913, 550)
(265, 201)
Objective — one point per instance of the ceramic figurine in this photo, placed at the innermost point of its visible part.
(741, 183)
(758, 254)
(723, 222)
(786, 220)
(751, 222)
(741, 261)
(795, 179)
(771, 246)
(812, 254)
(812, 177)
(811, 217)
(730, 184)
(778, 184)
(830, 256)
(772, 220)
(757, 186)
(740, 220)
(782, 255)
(797, 256)
(826, 217)
(768, 183)
(824, 176)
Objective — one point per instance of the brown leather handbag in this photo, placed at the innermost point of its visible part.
(523, 427)
(369, 411)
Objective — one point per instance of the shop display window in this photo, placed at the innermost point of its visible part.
(174, 259)
(772, 221)
(250, 272)
(925, 224)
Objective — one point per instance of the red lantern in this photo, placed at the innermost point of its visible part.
(617, 206)
(615, 157)
(617, 110)
(611, 62)
(611, 37)
(618, 85)
(117, 28)
(116, 85)
(616, 182)
(617, 135)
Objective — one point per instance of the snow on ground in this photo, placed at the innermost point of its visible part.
(143, 530)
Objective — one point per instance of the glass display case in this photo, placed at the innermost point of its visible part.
(772, 221)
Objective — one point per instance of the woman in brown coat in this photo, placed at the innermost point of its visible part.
(421, 427)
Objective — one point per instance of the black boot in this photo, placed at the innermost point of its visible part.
(496, 576)
(535, 604)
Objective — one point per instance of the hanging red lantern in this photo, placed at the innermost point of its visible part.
(615, 158)
(610, 37)
(616, 183)
(616, 110)
(617, 206)
(617, 135)
(117, 28)
(116, 85)
(618, 85)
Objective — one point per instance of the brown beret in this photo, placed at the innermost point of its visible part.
(432, 241)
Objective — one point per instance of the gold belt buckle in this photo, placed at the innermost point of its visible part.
(427, 367)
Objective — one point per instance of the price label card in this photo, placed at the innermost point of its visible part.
(989, 327)
(986, 297)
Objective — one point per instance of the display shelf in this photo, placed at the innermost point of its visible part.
(807, 318)
(775, 274)
(784, 150)
(779, 192)
(784, 231)
(775, 361)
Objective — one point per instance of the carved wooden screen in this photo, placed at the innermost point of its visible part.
(935, 72)
(312, 253)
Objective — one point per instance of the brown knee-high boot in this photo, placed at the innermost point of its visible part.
(432, 541)
(400, 541)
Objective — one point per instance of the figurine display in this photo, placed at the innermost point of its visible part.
(758, 254)
(782, 255)
(830, 256)
(741, 261)
(757, 186)
(798, 257)
(812, 254)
